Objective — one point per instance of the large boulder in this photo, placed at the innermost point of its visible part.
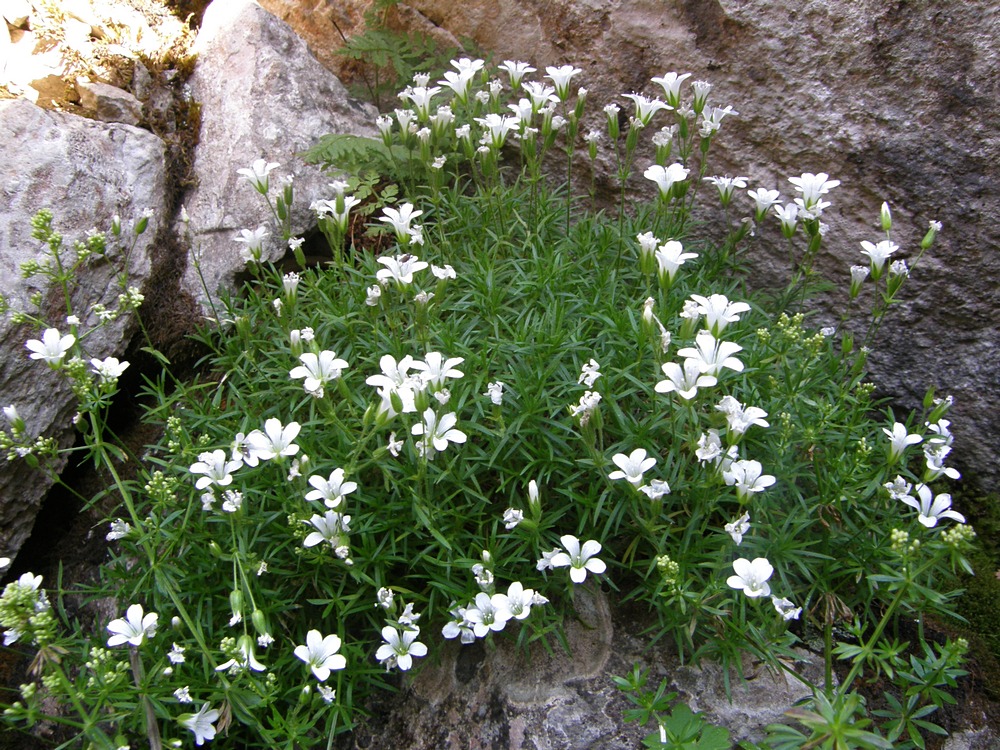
(504, 695)
(85, 172)
(876, 95)
(262, 96)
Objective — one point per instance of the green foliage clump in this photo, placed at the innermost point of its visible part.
(518, 398)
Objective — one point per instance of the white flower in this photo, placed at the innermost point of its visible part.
(941, 433)
(232, 501)
(740, 417)
(512, 517)
(320, 654)
(400, 220)
(119, 530)
(931, 508)
(684, 381)
(420, 96)
(899, 440)
(200, 723)
(52, 347)
(588, 403)
(632, 466)
(670, 256)
(394, 446)
(712, 355)
(748, 477)
(244, 658)
(726, 186)
(176, 654)
(253, 241)
(719, 311)
(712, 119)
(399, 648)
(545, 561)
(589, 373)
(183, 695)
(318, 369)
(764, 199)
(709, 446)
(132, 628)
(788, 215)
(108, 369)
(437, 433)
(751, 576)
(540, 94)
(786, 608)
(516, 71)
(898, 489)
(329, 528)
(645, 108)
(460, 626)
(737, 528)
(434, 369)
(331, 491)
(671, 83)
(384, 597)
(858, 276)
(655, 489)
(935, 453)
(399, 268)
(580, 559)
(495, 392)
(519, 600)
(372, 295)
(443, 272)
(488, 613)
(812, 187)
(878, 253)
(666, 177)
(257, 175)
(560, 78)
(483, 576)
(496, 128)
(647, 246)
(215, 467)
(276, 440)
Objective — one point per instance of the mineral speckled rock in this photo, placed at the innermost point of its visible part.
(85, 172)
(262, 95)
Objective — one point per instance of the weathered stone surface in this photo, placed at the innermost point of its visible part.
(85, 172)
(262, 95)
(109, 103)
(498, 695)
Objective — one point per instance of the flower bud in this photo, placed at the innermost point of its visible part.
(259, 621)
(932, 229)
(858, 276)
(885, 217)
(534, 500)
(16, 423)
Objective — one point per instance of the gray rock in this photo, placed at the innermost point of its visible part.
(85, 172)
(500, 695)
(262, 95)
(109, 103)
